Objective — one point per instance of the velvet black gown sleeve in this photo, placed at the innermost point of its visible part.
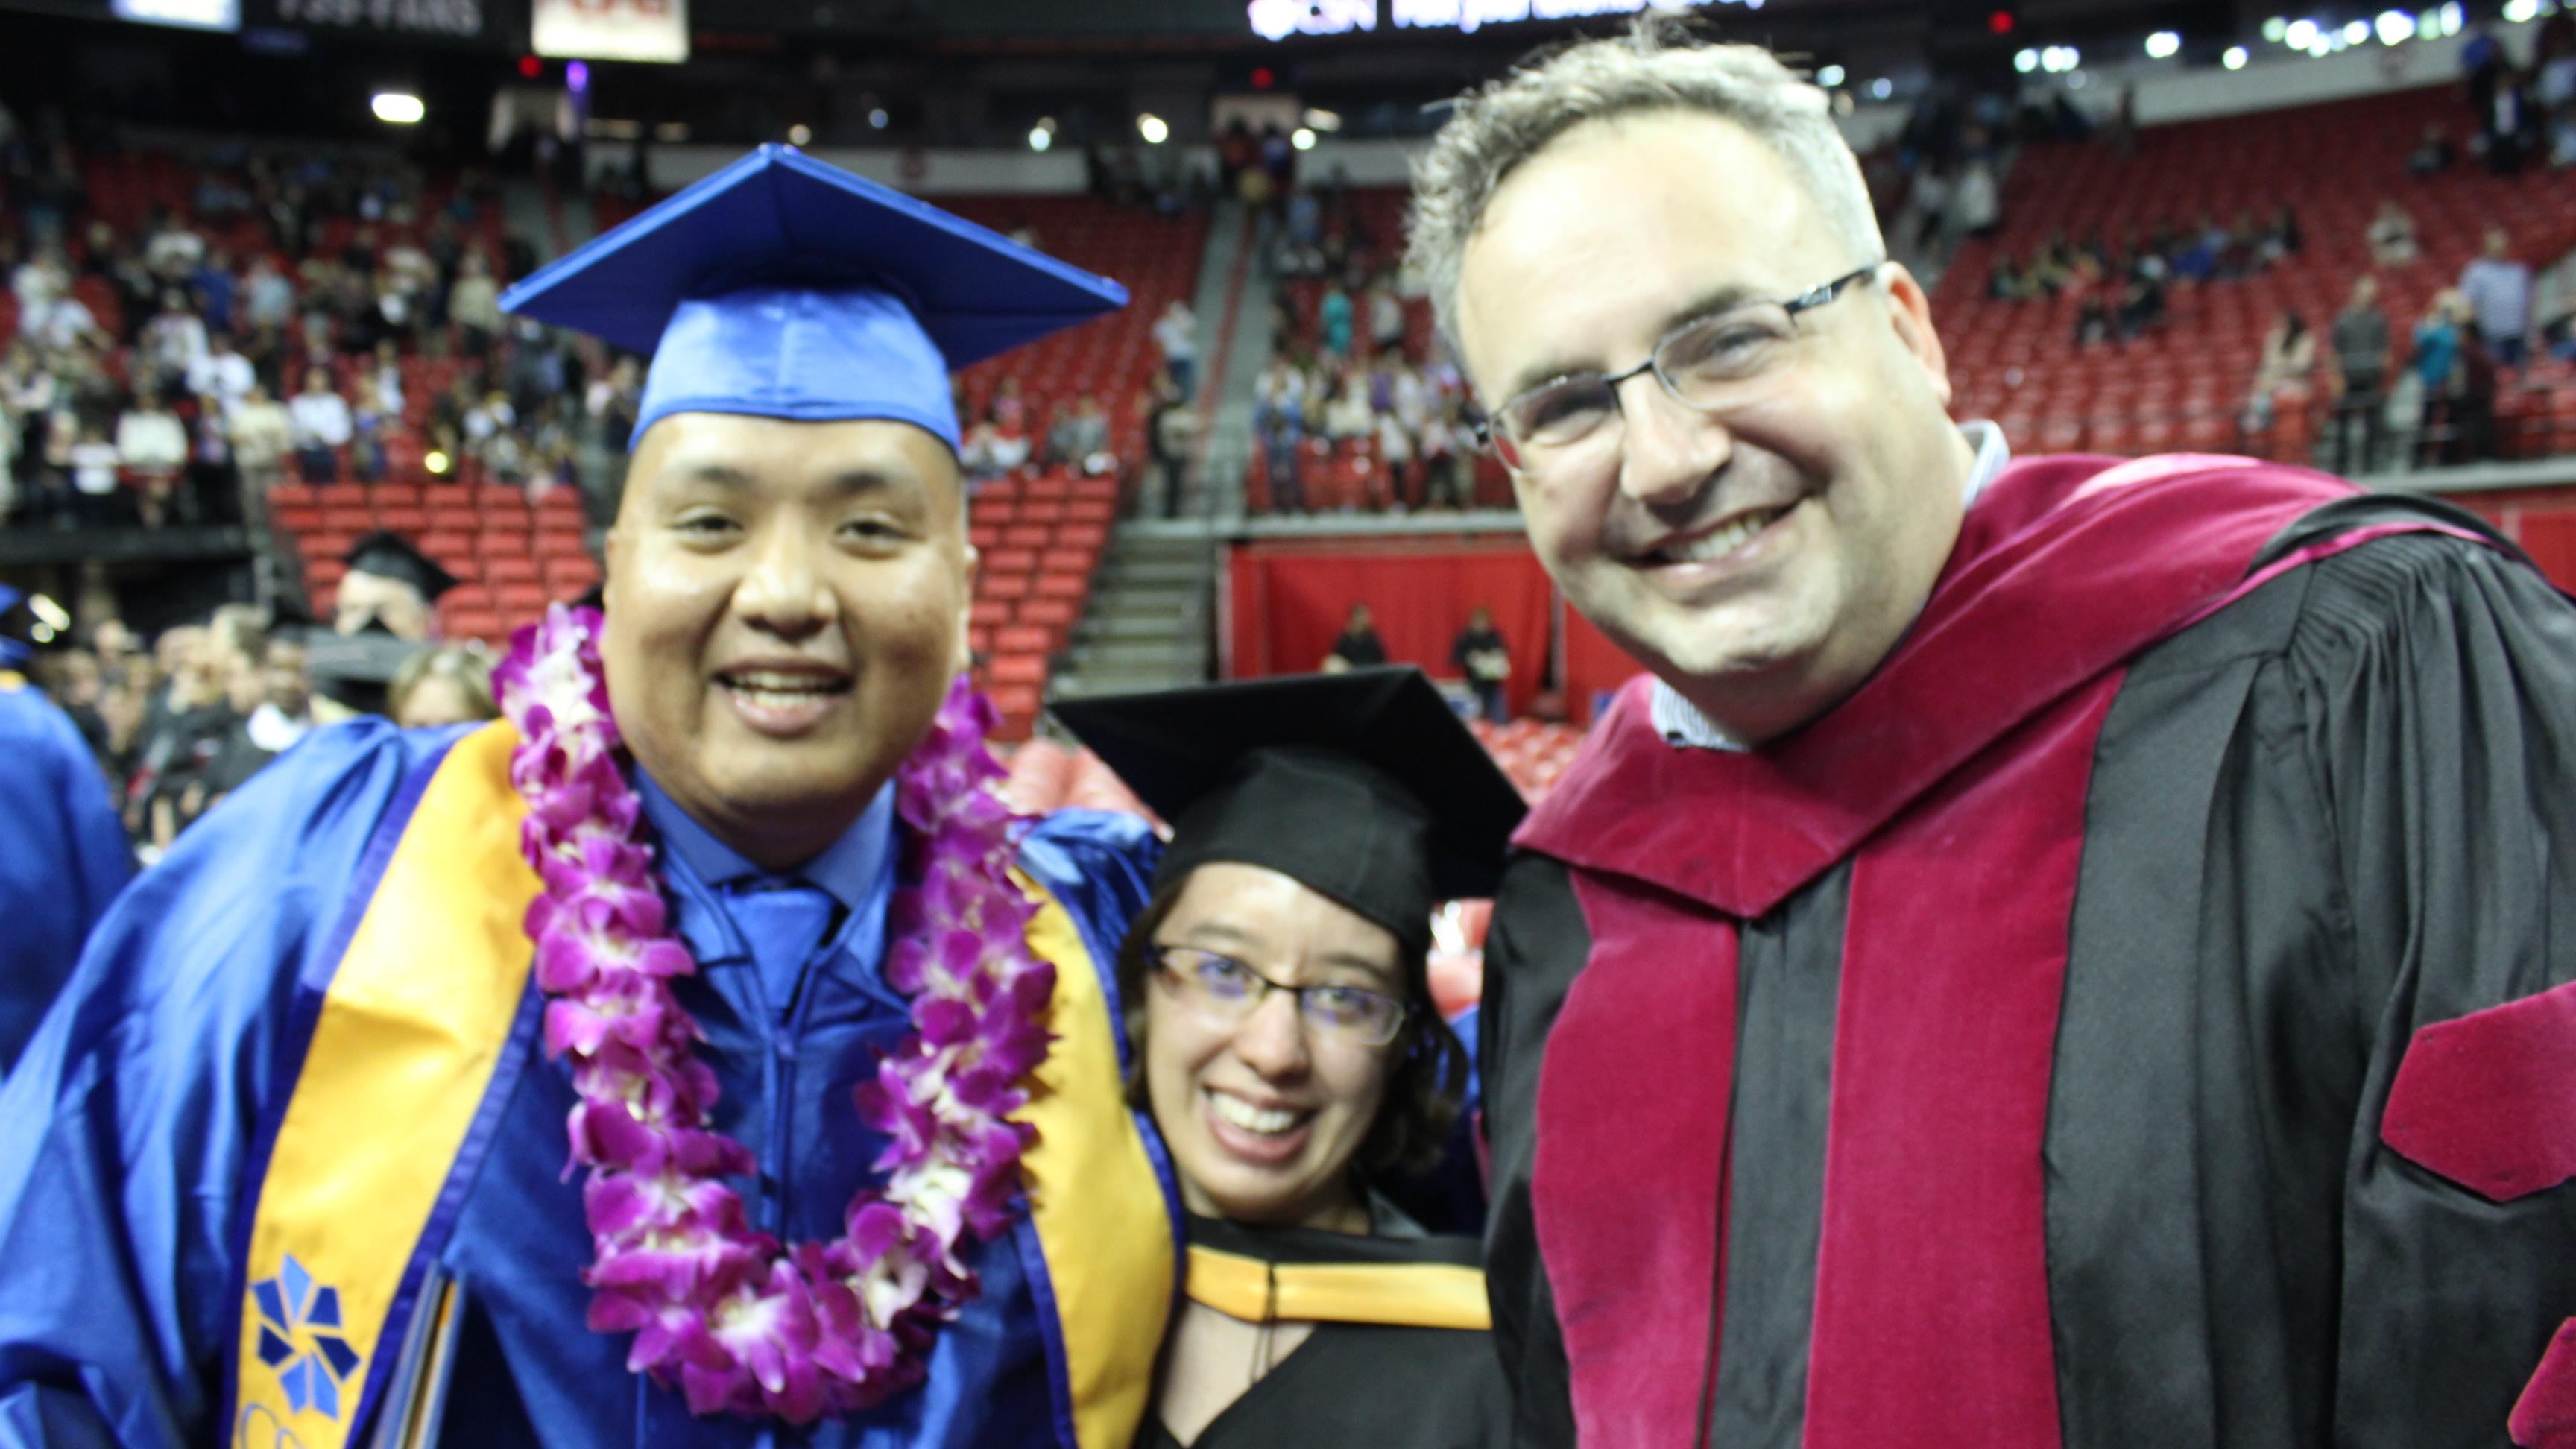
(2321, 822)
(2436, 683)
(1533, 949)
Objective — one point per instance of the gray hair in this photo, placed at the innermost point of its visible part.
(1656, 65)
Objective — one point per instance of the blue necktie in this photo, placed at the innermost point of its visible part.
(783, 924)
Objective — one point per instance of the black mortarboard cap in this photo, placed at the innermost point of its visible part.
(1363, 786)
(392, 556)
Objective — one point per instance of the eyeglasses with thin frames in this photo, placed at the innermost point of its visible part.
(1709, 364)
(1226, 989)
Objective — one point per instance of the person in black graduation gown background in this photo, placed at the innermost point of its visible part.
(381, 616)
(1289, 1052)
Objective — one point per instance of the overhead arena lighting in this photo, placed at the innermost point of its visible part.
(2234, 59)
(2300, 34)
(2026, 62)
(398, 108)
(2275, 28)
(1151, 127)
(799, 134)
(1040, 138)
(2163, 45)
(1302, 138)
(1832, 75)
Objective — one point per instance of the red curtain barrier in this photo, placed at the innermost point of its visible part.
(1290, 598)
(1594, 667)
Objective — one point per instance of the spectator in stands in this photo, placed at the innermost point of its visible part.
(1485, 658)
(1079, 438)
(1448, 456)
(2284, 238)
(474, 305)
(1171, 432)
(1386, 319)
(322, 427)
(1395, 448)
(368, 428)
(262, 434)
(1333, 320)
(38, 282)
(1358, 646)
(2435, 364)
(1349, 414)
(1978, 206)
(2359, 346)
(268, 297)
(2391, 235)
(152, 447)
(175, 339)
(992, 448)
(2281, 380)
(447, 685)
(2093, 323)
(222, 377)
(59, 325)
(2473, 410)
(488, 432)
(1010, 408)
(2498, 288)
(1283, 440)
(91, 462)
(213, 286)
(1176, 333)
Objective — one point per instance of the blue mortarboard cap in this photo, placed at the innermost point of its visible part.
(785, 288)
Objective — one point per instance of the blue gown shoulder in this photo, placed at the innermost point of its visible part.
(126, 1125)
(63, 856)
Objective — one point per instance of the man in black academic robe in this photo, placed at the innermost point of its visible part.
(2059, 951)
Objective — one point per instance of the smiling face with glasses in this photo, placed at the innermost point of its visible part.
(1729, 437)
(1272, 1018)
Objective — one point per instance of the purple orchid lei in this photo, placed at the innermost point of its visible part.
(733, 1318)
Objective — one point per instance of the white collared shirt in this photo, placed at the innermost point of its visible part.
(1680, 722)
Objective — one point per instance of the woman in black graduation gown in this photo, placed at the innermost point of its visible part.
(1286, 1045)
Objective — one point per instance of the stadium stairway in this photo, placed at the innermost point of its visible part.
(1148, 626)
(1235, 342)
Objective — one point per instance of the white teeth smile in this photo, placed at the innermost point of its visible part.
(768, 689)
(1719, 544)
(1268, 1121)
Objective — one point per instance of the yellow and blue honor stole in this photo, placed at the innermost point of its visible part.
(413, 1036)
(424, 1007)
(1272, 1275)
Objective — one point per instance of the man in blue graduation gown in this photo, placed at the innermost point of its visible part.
(285, 1167)
(63, 856)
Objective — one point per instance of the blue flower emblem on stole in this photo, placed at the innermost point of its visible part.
(300, 1337)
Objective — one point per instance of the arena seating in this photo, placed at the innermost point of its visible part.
(2184, 385)
(1349, 475)
(1042, 533)
(1040, 539)
(513, 557)
(1533, 754)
